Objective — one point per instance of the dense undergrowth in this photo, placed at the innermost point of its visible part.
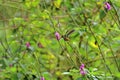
(59, 40)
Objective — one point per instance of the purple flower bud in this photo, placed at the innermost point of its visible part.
(107, 6)
(42, 78)
(82, 71)
(57, 35)
(82, 67)
(27, 44)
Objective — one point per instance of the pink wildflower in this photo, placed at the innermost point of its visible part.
(27, 44)
(82, 67)
(57, 35)
(107, 6)
(82, 71)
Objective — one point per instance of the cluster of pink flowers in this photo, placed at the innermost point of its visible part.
(82, 71)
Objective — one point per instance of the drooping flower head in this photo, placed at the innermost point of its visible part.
(57, 35)
(27, 44)
(107, 6)
(82, 71)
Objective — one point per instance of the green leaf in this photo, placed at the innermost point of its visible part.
(102, 14)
